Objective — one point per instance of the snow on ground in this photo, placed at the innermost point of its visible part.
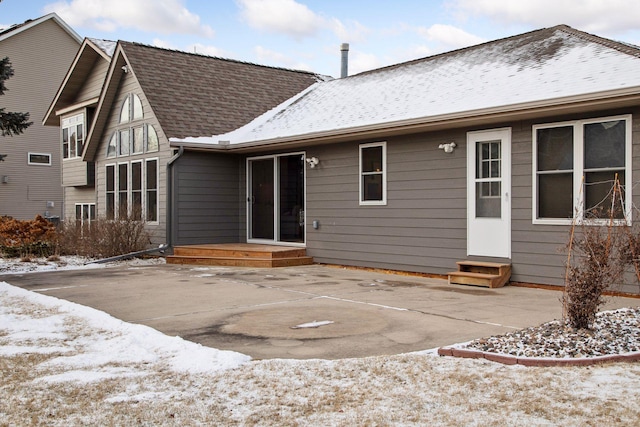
(66, 364)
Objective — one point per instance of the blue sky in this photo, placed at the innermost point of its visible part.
(306, 34)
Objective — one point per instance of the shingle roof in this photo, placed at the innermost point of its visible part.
(193, 94)
(535, 67)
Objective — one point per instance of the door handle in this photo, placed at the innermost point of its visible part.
(506, 196)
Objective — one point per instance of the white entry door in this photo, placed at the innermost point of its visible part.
(489, 193)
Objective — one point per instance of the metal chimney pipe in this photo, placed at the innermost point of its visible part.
(344, 62)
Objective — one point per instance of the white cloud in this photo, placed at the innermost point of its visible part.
(155, 16)
(281, 16)
(355, 32)
(360, 61)
(297, 20)
(611, 16)
(279, 59)
(449, 36)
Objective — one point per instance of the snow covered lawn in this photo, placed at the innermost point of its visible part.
(66, 364)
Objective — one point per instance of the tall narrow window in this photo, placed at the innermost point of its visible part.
(137, 140)
(136, 190)
(152, 190)
(111, 191)
(72, 136)
(124, 142)
(373, 177)
(123, 193)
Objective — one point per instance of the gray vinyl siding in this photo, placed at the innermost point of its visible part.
(93, 84)
(77, 195)
(423, 227)
(206, 208)
(128, 85)
(40, 57)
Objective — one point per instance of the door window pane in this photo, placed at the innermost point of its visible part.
(291, 194)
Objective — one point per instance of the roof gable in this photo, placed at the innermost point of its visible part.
(193, 94)
(200, 95)
(549, 65)
(90, 51)
(18, 28)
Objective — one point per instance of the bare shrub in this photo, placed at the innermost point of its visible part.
(103, 238)
(598, 256)
(596, 265)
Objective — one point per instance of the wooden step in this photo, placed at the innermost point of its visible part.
(479, 273)
(239, 251)
(240, 255)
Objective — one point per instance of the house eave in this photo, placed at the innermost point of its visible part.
(619, 98)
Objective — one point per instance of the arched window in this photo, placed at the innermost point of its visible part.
(131, 109)
(137, 108)
(152, 139)
(125, 111)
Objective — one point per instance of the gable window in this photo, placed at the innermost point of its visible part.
(73, 136)
(133, 140)
(576, 165)
(39, 159)
(131, 109)
(373, 174)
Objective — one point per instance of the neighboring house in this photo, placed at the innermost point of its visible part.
(40, 52)
(130, 99)
(477, 153)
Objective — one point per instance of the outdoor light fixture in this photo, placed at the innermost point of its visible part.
(312, 161)
(448, 147)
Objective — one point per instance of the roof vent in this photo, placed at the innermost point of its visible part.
(344, 62)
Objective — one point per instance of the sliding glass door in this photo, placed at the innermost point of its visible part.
(276, 199)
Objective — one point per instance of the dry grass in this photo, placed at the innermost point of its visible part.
(409, 389)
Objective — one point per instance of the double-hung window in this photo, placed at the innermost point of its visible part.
(582, 170)
(72, 136)
(373, 174)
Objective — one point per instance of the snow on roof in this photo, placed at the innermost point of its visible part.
(107, 46)
(540, 65)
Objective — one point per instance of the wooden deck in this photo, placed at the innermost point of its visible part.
(240, 255)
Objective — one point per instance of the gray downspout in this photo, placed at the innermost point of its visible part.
(170, 188)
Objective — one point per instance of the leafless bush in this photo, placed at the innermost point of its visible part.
(596, 265)
(102, 238)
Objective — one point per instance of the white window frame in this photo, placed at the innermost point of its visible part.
(68, 123)
(145, 190)
(361, 174)
(116, 193)
(88, 207)
(578, 170)
(29, 162)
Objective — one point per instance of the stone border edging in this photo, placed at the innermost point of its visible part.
(507, 359)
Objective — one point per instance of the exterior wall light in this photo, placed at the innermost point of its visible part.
(312, 161)
(448, 147)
